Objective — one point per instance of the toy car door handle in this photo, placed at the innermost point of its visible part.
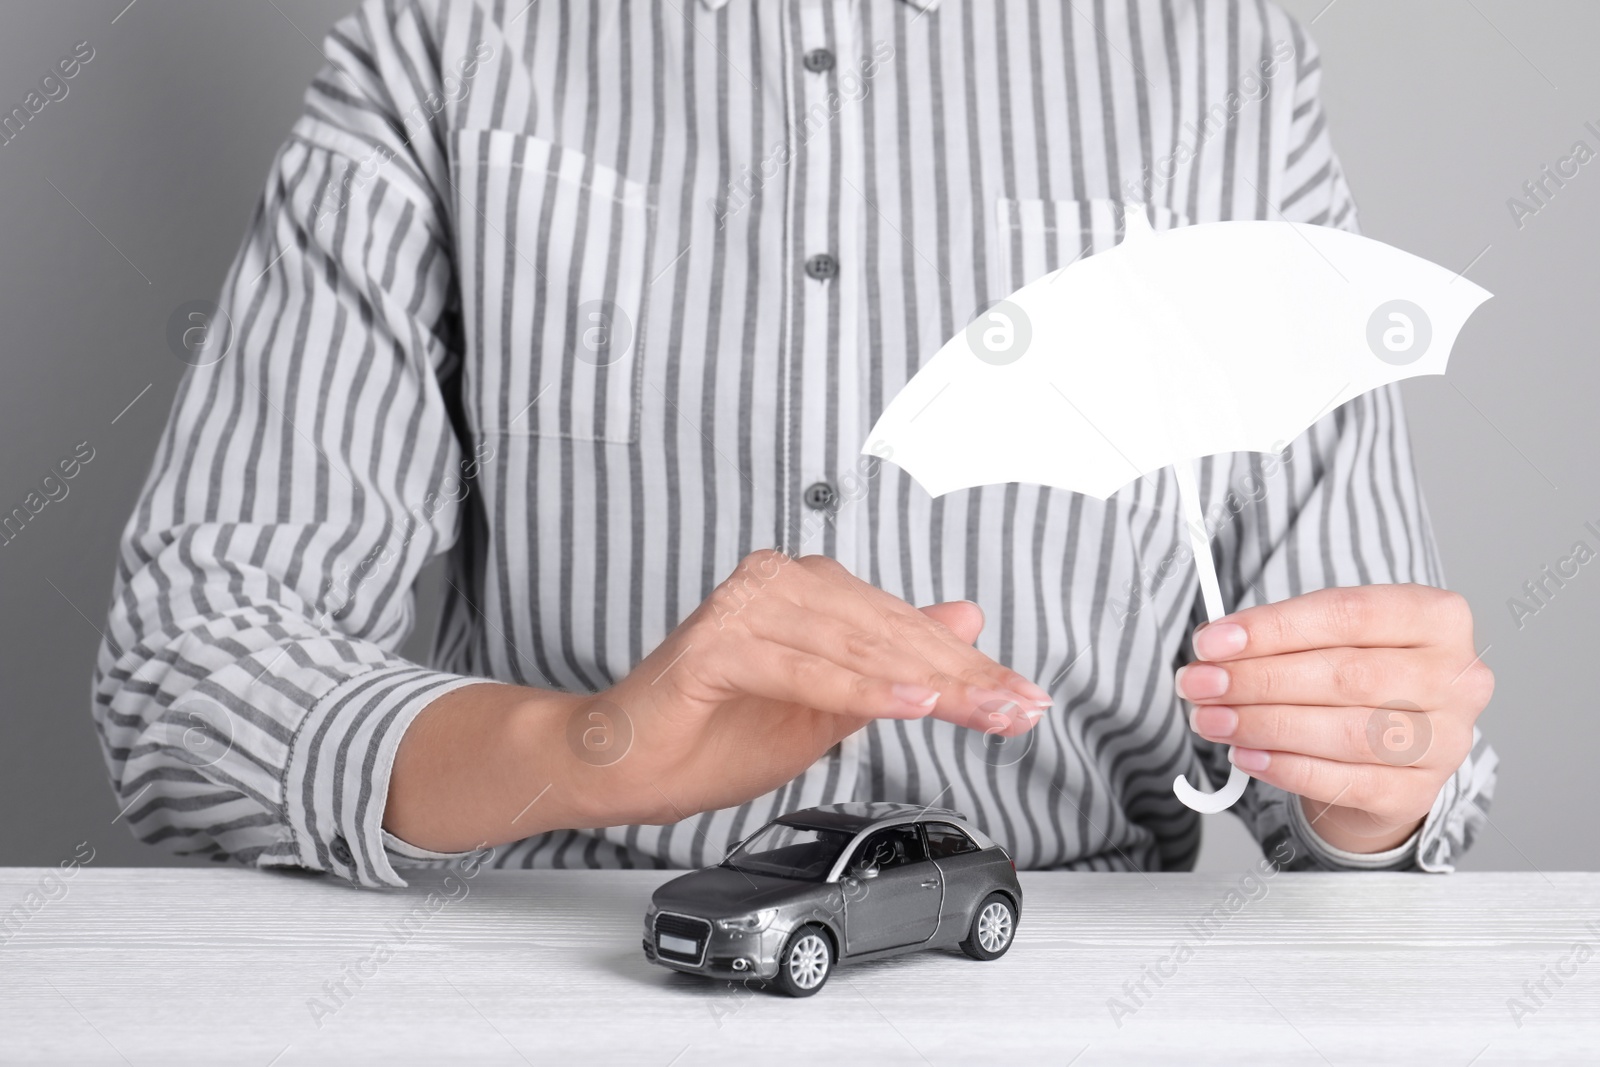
(932, 883)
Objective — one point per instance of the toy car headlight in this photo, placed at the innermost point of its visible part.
(748, 924)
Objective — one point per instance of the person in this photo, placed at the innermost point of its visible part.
(599, 301)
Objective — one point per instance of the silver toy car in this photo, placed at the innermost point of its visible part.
(839, 883)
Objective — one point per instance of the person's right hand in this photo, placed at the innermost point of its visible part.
(784, 659)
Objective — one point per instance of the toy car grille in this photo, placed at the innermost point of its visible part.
(676, 933)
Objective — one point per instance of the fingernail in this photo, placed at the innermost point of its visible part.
(1201, 681)
(1030, 701)
(1214, 721)
(916, 696)
(1023, 714)
(1250, 759)
(1032, 693)
(1220, 640)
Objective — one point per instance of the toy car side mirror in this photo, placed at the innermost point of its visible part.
(865, 871)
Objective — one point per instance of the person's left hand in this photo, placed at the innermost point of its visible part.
(1361, 700)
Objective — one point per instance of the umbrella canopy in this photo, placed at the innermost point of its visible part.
(1204, 340)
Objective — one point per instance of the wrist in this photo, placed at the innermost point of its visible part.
(488, 764)
(1350, 830)
(577, 753)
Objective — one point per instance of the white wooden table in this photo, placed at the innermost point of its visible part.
(226, 966)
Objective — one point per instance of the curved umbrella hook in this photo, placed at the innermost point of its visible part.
(1194, 518)
(1211, 803)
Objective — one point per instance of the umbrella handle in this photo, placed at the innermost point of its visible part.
(1211, 591)
(1211, 803)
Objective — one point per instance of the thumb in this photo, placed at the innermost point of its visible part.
(962, 617)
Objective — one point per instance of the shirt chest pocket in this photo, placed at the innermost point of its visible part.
(553, 256)
(1035, 237)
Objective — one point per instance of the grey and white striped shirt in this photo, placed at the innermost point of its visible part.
(598, 297)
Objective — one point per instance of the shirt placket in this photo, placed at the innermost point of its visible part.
(824, 392)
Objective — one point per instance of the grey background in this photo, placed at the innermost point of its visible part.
(1441, 109)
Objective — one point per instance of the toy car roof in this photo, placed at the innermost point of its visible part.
(857, 815)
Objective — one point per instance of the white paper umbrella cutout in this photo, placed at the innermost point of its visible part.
(1200, 341)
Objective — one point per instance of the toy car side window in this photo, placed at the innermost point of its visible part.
(945, 840)
(891, 847)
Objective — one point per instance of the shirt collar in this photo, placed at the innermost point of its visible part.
(922, 5)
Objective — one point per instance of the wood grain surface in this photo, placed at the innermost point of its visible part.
(508, 967)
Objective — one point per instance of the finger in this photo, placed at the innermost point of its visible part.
(878, 655)
(941, 639)
(1331, 677)
(1368, 616)
(823, 586)
(776, 672)
(1391, 793)
(780, 673)
(1347, 735)
(961, 617)
(826, 587)
(815, 583)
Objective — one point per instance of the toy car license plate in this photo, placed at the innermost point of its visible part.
(683, 945)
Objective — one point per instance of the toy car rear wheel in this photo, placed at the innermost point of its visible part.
(805, 962)
(994, 926)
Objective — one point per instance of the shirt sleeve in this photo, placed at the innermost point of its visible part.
(249, 695)
(1340, 506)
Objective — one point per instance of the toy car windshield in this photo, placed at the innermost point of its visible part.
(805, 853)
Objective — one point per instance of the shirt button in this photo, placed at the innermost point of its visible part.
(822, 267)
(341, 850)
(819, 60)
(820, 496)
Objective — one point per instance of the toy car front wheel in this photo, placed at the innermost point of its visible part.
(806, 962)
(993, 927)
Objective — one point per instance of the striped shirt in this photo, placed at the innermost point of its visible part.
(598, 297)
